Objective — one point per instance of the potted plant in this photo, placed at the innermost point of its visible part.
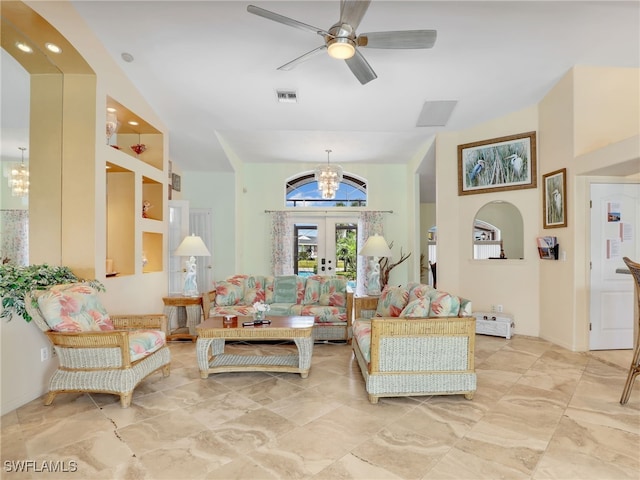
(16, 281)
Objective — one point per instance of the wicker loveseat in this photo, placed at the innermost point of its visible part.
(414, 341)
(97, 352)
(322, 297)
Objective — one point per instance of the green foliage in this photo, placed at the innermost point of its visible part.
(346, 251)
(17, 281)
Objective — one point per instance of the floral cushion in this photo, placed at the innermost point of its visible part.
(392, 301)
(326, 291)
(144, 342)
(362, 335)
(418, 308)
(254, 290)
(240, 310)
(230, 291)
(465, 308)
(418, 290)
(302, 282)
(269, 282)
(74, 308)
(321, 313)
(443, 304)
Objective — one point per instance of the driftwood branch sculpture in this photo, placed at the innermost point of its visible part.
(386, 266)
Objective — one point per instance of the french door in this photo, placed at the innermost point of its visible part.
(325, 246)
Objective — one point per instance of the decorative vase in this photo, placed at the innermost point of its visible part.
(258, 316)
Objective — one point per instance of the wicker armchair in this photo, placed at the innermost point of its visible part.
(100, 361)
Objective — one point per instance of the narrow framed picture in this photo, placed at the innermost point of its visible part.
(497, 164)
(175, 182)
(554, 198)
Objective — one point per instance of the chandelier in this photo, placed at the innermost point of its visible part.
(328, 177)
(19, 178)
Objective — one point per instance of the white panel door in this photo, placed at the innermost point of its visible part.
(615, 221)
(178, 229)
(201, 224)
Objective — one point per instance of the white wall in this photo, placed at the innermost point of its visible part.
(511, 283)
(216, 191)
(24, 376)
(242, 241)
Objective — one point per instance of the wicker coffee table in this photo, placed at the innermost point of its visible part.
(213, 332)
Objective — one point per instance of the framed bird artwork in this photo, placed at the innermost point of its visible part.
(554, 199)
(505, 163)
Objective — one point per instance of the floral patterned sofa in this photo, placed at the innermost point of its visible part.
(414, 340)
(323, 297)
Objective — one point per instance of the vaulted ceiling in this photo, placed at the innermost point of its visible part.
(209, 69)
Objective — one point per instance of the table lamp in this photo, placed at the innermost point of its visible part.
(375, 247)
(192, 247)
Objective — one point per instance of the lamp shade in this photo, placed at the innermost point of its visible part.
(192, 246)
(375, 246)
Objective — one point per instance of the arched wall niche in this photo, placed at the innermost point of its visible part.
(62, 136)
(507, 219)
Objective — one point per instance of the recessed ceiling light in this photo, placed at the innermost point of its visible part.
(127, 57)
(53, 48)
(111, 109)
(24, 47)
(132, 122)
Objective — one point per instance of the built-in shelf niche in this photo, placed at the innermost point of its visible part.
(152, 192)
(143, 133)
(152, 252)
(121, 219)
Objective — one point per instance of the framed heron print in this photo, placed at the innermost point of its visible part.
(505, 163)
(554, 199)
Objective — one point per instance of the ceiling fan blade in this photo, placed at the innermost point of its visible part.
(302, 58)
(276, 17)
(399, 39)
(352, 11)
(360, 68)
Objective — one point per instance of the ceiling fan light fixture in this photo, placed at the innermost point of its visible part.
(341, 48)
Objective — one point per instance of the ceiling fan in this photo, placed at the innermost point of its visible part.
(342, 42)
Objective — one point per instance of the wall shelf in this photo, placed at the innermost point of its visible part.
(135, 242)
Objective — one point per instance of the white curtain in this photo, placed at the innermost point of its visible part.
(14, 237)
(281, 244)
(369, 223)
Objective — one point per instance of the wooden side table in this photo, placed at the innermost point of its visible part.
(193, 309)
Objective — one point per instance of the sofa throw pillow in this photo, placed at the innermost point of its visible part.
(269, 282)
(418, 290)
(443, 304)
(418, 308)
(74, 308)
(392, 301)
(228, 293)
(254, 290)
(285, 289)
(312, 291)
(326, 291)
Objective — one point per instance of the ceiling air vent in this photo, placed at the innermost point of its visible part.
(287, 96)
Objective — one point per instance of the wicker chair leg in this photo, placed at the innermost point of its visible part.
(373, 399)
(48, 400)
(166, 370)
(125, 399)
(468, 396)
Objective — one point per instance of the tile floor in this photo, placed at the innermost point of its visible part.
(540, 412)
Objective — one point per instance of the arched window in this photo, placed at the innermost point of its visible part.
(302, 191)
